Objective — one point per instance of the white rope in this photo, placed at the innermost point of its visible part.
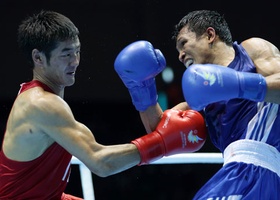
(86, 176)
(86, 179)
(191, 158)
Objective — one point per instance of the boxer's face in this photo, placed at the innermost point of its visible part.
(192, 49)
(63, 63)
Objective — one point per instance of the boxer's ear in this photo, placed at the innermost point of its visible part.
(211, 34)
(37, 57)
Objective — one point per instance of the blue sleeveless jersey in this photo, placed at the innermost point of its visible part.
(237, 119)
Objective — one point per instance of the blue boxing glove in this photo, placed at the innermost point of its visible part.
(137, 65)
(203, 84)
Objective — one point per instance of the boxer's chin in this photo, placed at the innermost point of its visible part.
(188, 63)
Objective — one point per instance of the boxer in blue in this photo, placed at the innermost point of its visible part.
(237, 88)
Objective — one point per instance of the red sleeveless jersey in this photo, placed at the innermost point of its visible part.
(44, 178)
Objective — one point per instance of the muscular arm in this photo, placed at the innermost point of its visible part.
(59, 123)
(151, 117)
(266, 58)
(38, 119)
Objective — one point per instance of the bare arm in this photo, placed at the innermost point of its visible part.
(266, 58)
(57, 121)
(151, 117)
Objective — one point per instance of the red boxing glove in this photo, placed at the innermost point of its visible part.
(177, 132)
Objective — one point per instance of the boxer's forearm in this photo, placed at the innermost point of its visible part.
(151, 117)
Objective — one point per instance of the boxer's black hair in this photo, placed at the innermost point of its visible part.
(198, 21)
(43, 31)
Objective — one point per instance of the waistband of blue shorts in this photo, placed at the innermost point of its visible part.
(253, 152)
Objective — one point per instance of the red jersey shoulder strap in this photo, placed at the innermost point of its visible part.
(32, 84)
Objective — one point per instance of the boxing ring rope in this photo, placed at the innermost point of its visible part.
(86, 179)
(191, 158)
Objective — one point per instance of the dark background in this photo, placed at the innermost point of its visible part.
(100, 100)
